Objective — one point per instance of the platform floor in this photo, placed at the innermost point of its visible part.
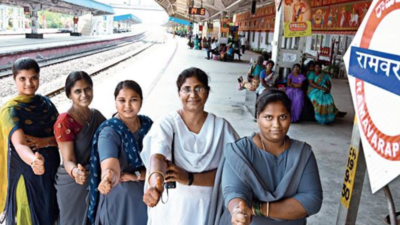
(17, 43)
(330, 142)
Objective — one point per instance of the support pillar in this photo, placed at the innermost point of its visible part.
(4, 17)
(285, 51)
(34, 8)
(14, 19)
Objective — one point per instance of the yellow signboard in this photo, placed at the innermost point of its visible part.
(297, 29)
(297, 18)
(349, 177)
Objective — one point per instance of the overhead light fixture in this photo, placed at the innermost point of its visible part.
(253, 7)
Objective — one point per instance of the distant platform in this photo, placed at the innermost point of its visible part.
(13, 47)
(18, 43)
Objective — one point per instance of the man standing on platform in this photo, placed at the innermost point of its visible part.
(243, 43)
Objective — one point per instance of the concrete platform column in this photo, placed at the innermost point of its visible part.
(285, 51)
(4, 17)
(34, 8)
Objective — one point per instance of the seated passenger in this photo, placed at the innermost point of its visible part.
(228, 54)
(253, 76)
(222, 51)
(268, 177)
(310, 68)
(295, 93)
(267, 78)
(319, 93)
(213, 49)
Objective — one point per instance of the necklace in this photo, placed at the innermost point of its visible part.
(263, 146)
(82, 117)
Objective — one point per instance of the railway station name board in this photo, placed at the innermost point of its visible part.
(197, 11)
(373, 66)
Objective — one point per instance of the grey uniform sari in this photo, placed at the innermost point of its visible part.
(248, 172)
(71, 197)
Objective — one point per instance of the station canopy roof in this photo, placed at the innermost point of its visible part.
(172, 21)
(74, 7)
(127, 18)
(179, 8)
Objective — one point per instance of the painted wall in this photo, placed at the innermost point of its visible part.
(260, 40)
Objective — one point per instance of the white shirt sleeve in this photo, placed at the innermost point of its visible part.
(158, 140)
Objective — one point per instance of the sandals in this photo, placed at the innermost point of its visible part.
(240, 87)
(240, 80)
(340, 114)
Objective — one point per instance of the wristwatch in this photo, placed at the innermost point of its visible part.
(138, 175)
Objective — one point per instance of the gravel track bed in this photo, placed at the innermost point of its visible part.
(53, 77)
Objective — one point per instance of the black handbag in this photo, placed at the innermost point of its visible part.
(171, 185)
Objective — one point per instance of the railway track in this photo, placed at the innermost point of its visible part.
(6, 71)
(107, 65)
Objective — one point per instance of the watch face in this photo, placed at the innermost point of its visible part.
(137, 173)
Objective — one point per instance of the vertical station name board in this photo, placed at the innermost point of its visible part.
(349, 177)
(197, 11)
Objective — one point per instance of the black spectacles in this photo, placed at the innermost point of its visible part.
(188, 90)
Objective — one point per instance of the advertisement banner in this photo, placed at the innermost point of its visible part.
(297, 18)
(339, 17)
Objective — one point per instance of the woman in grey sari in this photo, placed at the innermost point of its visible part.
(74, 131)
(267, 178)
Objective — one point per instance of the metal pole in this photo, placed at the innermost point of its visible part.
(391, 206)
(353, 180)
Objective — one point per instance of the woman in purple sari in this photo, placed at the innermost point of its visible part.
(295, 93)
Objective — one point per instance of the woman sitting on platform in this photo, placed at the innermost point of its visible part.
(116, 170)
(267, 78)
(295, 93)
(74, 131)
(319, 93)
(28, 151)
(196, 140)
(253, 76)
(268, 177)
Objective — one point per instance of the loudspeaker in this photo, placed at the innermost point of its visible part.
(253, 7)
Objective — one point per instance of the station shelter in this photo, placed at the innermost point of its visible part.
(26, 11)
(125, 23)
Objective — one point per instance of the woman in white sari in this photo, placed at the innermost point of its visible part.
(199, 140)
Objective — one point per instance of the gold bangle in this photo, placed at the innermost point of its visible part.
(267, 209)
(159, 172)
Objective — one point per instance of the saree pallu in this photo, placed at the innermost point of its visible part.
(323, 102)
(29, 197)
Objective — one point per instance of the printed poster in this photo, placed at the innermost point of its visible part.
(297, 18)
